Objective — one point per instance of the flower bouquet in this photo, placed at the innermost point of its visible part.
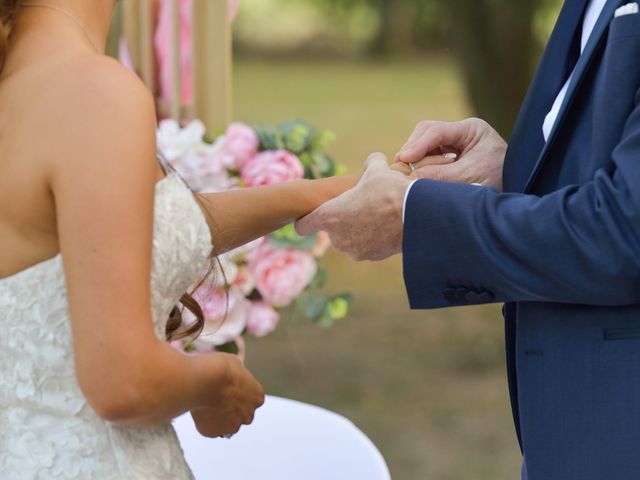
(255, 282)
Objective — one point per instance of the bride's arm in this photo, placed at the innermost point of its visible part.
(101, 168)
(240, 216)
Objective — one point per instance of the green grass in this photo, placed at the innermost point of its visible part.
(428, 387)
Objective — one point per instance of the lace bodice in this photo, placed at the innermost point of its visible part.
(47, 429)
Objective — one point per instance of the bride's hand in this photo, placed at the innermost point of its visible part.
(234, 402)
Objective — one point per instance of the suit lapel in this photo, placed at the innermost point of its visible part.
(581, 69)
(526, 140)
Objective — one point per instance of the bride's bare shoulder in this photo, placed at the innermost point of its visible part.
(94, 109)
(90, 69)
(95, 85)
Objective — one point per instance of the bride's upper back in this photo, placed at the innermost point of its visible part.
(47, 101)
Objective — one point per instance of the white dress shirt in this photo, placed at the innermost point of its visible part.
(591, 18)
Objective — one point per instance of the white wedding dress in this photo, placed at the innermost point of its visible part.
(47, 429)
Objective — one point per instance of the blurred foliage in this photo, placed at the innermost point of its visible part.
(428, 387)
(496, 42)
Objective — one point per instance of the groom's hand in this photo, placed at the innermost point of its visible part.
(480, 152)
(365, 222)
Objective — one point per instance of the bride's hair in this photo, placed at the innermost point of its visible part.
(175, 327)
(8, 11)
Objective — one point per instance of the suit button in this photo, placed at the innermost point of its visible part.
(486, 297)
(479, 297)
(461, 294)
(450, 295)
(472, 297)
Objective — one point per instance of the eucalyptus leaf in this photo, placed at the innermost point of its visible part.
(319, 280)
(231, 347)
(338, 307)
(324, 163)
(312, 305)
(287, 237)
(321, 140)
(297, 139)
(325, 321)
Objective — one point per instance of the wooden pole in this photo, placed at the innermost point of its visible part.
(212, 63)
(176, 67)
(147, 55)
(115, 32)
(131, 27)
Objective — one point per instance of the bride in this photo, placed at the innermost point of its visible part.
(98, 244)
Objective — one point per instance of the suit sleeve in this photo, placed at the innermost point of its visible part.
(467, 245)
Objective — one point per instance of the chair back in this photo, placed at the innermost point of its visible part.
(288, 440)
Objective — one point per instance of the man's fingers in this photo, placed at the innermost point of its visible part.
(433, 138)
(442, 159)
(420, 129)
(376, 162)
(309, 224)
(441, 173)
(438, 159)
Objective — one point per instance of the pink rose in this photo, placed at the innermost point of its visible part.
(281, 273)
(272, 167)
(225, 317)
(244, 281)
(241, 143)
(262, 319)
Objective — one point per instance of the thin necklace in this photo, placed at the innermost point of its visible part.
(66, 14)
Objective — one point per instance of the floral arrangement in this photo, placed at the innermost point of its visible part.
(255, 282)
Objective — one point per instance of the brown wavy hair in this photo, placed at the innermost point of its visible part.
(175, 329)
(8, 12)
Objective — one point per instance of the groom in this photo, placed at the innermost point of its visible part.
(551, 226)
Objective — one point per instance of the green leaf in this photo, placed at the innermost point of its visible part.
(324, 164)
(297, 137)
(341, 169)
(267, 136)
(287, 237)
(338, 307)
(325, 321)
(305, 159)
(319, 280)
(322, 140)
(231, 347)
(312, 305)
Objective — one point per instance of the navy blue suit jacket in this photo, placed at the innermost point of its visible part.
(561, 247)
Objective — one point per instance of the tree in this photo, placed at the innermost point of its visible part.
(495, 43)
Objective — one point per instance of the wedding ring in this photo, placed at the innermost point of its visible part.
(450, 156)
(412, 167)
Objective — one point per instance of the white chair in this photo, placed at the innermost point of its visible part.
(288, 440)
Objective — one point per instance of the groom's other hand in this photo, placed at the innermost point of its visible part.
(480, 152)
(365, 222)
